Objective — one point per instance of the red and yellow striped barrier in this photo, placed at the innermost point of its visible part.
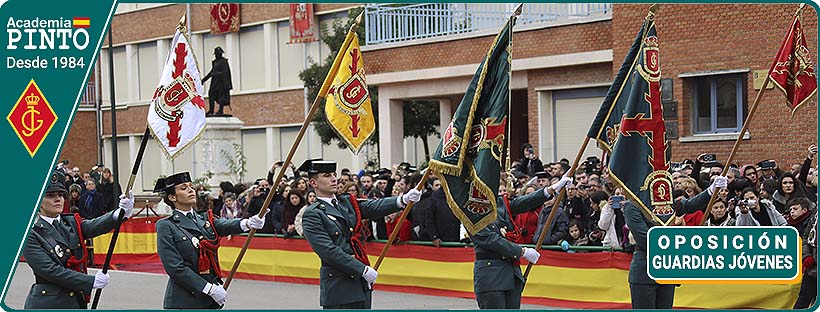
(137, 243)
(580, 280)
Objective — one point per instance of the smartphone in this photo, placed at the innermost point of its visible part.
(616, 201)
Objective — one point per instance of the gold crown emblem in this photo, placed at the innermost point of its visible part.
(32, 99)
(651, 41)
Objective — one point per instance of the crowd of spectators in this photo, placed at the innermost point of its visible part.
(757, 194)
(91, 193)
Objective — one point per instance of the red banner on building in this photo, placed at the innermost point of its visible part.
(301, 23)
(224, 18)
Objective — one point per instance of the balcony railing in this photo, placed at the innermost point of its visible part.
(387, 23)
(89, 97)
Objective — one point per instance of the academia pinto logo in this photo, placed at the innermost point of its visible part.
(32, 118)
(48, 34)
(28, 39)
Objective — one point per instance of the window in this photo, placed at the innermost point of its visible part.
(120, 76)
(148, 69)
(291, 58)
(251, 57)
(719, 103)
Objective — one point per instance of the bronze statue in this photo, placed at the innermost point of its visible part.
(221, 85)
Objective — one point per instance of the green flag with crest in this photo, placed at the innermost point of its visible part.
(468, 159)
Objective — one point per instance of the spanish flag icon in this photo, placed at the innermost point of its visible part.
(82, 22)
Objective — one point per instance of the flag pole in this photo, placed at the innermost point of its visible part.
(548, 225)
(746, 125)
(134, 170)
(403, 216)
(121, 217)
(507, 158)
(313, 109)
(653, 9)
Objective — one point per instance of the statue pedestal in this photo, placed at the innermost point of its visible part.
(216, 147)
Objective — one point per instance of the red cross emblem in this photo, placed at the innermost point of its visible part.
(653, 129)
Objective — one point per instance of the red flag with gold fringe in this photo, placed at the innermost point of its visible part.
(793, 71)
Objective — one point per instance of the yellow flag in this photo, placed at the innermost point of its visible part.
(347, 105)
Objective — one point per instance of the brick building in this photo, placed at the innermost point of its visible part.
(564, 59)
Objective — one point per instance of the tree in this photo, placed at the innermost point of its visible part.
(421, 119)
(314, 76)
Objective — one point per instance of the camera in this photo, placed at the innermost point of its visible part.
(768, 164)
(592, 163)
(709, 158)
(747, 202)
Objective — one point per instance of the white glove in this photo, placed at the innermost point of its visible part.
(216, 292)
(126, 206)
(558, 186)
(412, 196)
(254, 222)
(720, 182)
(100, 280)
(370, 275)
(531, 255)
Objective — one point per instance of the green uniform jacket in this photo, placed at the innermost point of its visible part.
(328, 230)
(639, 226)
(494, 269)
(181, 259)
(56, 286)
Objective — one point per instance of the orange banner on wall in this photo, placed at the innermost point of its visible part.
(302, 29)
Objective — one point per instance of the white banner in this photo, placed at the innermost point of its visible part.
(176, 115)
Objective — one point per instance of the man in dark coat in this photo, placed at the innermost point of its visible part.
(529, 164)
(808, 286)
(188, 245)
(55, 251)
(332, 225)
(558, 230)
(441, 224)
(221, 84)
(645, 292)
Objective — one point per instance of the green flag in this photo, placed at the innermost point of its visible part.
(468, 159)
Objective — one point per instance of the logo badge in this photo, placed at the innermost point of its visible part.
(477, 203)
(451, 142)
(32, 118)
(172, 97)
(353, 92)
(659, 183)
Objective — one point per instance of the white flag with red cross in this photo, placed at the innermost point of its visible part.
(176, 115)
